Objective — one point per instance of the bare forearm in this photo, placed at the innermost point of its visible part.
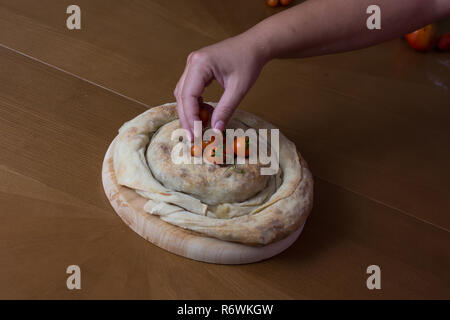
(315, 27)
(318, 27)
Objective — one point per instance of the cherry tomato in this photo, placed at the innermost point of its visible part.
(205, 143)
(215, 155)
(443, 43)
(285, 2)
(210, 156)
(423, 39)
(196, 149)
(272, 3)
(241, 146)
(204, 115)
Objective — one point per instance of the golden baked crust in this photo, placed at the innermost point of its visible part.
(210, 183)
(280, 208)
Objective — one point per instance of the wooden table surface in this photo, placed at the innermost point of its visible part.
(373, 124)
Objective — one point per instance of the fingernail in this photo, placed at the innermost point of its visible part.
(219, 125)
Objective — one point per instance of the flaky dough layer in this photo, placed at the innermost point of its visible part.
(271, 215)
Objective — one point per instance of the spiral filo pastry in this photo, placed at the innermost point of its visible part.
(283, 209)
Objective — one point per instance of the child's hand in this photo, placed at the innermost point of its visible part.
(235, 63)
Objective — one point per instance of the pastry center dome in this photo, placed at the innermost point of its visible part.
(210, 183)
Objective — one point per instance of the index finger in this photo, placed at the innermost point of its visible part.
(181, 115)
(195, 82)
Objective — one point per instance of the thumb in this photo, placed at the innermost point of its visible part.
(225, 107)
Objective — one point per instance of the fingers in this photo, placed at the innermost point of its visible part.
(189, 90)
(190, 94)
(229, 101)
(181, 115)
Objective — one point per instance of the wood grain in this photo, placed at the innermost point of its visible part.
(364, 111)
(373, 125)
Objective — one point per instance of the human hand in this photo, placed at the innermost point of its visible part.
(235, 63)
